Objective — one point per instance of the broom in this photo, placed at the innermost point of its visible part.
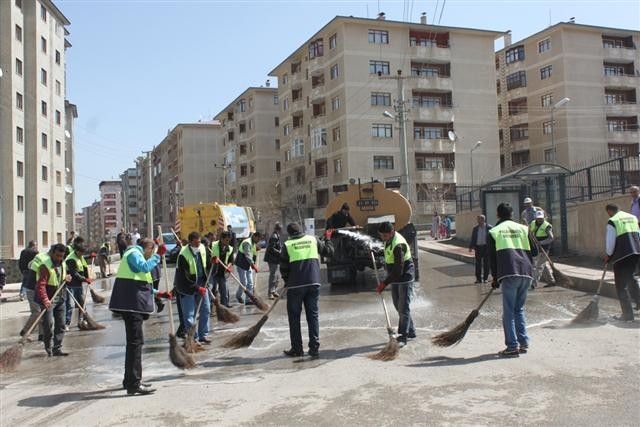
(95, 297)
(559, 277)
(10, 359)
(91, 276)
(91, 324)
(591, 311)
(389, 351)
(256, 300)
(178, 356)
(244, 339)
(455, 335)
(223, 313)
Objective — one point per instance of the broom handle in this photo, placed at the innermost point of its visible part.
(604, 272)
(540, 248)
(284, 290)
(84, 298)
(234, 276)
(206, 286)
(166, 282)
(384, 304)
(33, 325)
(76, 301)
(485, 299)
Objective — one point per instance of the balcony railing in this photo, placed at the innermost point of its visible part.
(433, 53)
(445, 176)
(437, 114)
(435, 146)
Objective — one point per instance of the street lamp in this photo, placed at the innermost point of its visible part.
(558, 104)
(404, 180)
(478, 144)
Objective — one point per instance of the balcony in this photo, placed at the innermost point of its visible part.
(623, 81)
(229, 125)
(319, 152)
(518, 119)
(619, 53)
(627, 136)
(433, 114)
(621, 109)
(429, 207)
(443, 176)
(321, 182)
(521, 145)
(432, 53)
(316, 65)
(435, 83)
(296, 80)
(435, 146)
(317, 94)
(297, 106)
(520, 92)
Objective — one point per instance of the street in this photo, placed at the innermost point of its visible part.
(571, 376)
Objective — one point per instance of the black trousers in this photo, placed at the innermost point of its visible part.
(482, 262)
(133, 356)
(626, 285)
(307, 296)
(53, 325)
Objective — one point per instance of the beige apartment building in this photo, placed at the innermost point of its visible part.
(183, 171)
(33, 117)
(596, 68)
(130, 200)
(250, 147)
(110, 208)
(335, 88)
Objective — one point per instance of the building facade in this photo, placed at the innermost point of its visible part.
(110, 209)
(130, 200)
(595, 69)
(33, 117)
(333, 93)
(250, 148)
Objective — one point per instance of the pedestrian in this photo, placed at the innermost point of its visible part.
(529, 212)
(121, 242)
(135, 236)
(3, 277)
(223, 251)
(26, 256)
(78, 269)
(234, 239)
(510, 253)
(132, 298)
(30, 290)
(435, 226)
(447, 225)
(634, 191)
(400, 275)
(300, 269)
(272, 257)
(478, 245)
(190, 281)
(50, 275)
(70, 240)
(103, 258)
(245, 262)
(341, 218)
(542, 231)
(156, 275)
(623, 251)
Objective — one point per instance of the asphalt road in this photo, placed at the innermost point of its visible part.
(571, 376)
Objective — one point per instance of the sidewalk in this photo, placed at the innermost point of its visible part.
(584, 279)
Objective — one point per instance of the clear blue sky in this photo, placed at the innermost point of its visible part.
(137, 68)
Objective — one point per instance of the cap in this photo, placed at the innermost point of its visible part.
(277, 226)
(528, 200)
(539, 214)
(345, 206)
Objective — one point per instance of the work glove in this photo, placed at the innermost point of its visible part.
(93, 254)
(329, 233)
(47, 304)
(495, 284)
(229, 268)
(162, 249)
(88, 281)
(67, 278)
(255, 268)
(381, 287)
(202, 291)
(166, 295)
(215, 260)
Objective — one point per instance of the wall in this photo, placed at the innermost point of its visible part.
(465, 221)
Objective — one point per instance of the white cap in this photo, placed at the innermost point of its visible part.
(528, 200)
(539, 214)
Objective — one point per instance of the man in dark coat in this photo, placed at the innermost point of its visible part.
(272, 257)
(341, 218)
(478, 245)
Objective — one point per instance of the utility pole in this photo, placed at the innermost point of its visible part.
(224, 166)
(149, 196)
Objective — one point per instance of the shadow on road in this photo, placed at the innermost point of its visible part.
(453, 361)
(51, 400)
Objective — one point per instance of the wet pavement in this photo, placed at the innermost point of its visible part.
(466, 384)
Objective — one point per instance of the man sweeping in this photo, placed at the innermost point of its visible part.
(510, 253)
(132, 297)
(300, 270)
(245, 262)
(623, 251)
(400, 275)
(542, 230)
(79, 271)
(222, 250)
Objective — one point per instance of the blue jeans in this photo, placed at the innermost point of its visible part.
(219, 283)
(246, 278)
(296, 298)
(70, 304)
(401, 296)
(514, 295)
(188, 304)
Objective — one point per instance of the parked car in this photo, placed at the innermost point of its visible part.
(173, 249)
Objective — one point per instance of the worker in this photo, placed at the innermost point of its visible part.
(30, 288)
(70, 240)
(478, 245)
(300, 269)
(436, 222)
(272, 257)
(50, 276)
(623, 251)
(510, 253)
(190, 282)
(245, 262)
(400, 275)
(341, 218)
(132, 297)
(542, 231)
(529, 212)
(103, 258)
(79, 271)
(26, 256)
(223, 251)
(234, 239)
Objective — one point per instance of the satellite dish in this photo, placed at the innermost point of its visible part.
(452, 136)
(0, 72)
(453, 117)
(67, 169)
(68, 189)
(67, 134)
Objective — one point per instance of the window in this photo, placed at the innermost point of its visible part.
(335, 134)
(18, 67)
(286, 130)
(276, 121)
(20, 237)
(277, 166)
(43, 108)
(297, 148)
(318, 138)
(44, 173)
(58, 88)
(618, 125)
(376, 67)
(544, 45)
(19, 4)
(287, 182)
(381, 130)
(549, 155)
(58, 148)
(322, 169)
(241, 106)
(316, 49)
(285, 79)
(58, 118)
(45, 239)
(516, 80)
(19, 169)
(285, 104)
(59, 236)
(383, 162)
(545, 72)
(275, 100)
(547, 127)
(614, 70)
(514, 54)
(322, 198)
(335, 103)
(58, 178)
(519, 132)
(43, 13)
(43, 44)
(337, 165)
(333, 41)
(45, 206)
(622, 150)
(19, 33)
(430, 132)
(300, 175)
(520, 158)
(58, 57)
(381, 98)
(379, 36)
(334, 72)
(19, 101)
(58, 209)
(547, 100)
(44, 141)
(19, 135)
(277, 145)
(20, 203)
(43, 76)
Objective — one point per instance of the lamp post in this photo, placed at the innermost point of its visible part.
(558, 104)
(405, 181)
(224, 166)
(478, 144)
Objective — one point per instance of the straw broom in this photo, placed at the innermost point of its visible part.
(455, 335)
(91, 324)
(591, 311)
(391, 349)
(178, 356)
(256, 300)
(560, 278)
(223, 313)
(10, 359)
(244, 339)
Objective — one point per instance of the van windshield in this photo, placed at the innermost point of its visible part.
(168, 238)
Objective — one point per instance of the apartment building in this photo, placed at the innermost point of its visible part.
(250, 146)
(333, 93)
(79, 225)
(595, 68)
(33, 117)
(130, 200)
(110, 208)
(183, 170)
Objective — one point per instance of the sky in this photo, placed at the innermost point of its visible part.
(139, 67)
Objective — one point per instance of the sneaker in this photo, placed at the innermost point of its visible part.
(49, 353)
(411, 335)
(66, 328)
(276, 295)
(240, 300)
(60, 353)
(205, 340)
(509, 352)
(549, 285)
(293, 353)
(477, 282)
(314, 353)
(623, 318)
(523, 349)
(401, 340)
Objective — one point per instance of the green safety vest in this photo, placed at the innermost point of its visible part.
(186, 253)
(304, 262)
(254, 251)
(541, 231)
(302, 249)
(81, 263)
(36, 262)
(215, 251)
(124, 271)
(627, 237)
(512, 250)
(510, 235)
(624, 223)
(389, 248)
(54, 279)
